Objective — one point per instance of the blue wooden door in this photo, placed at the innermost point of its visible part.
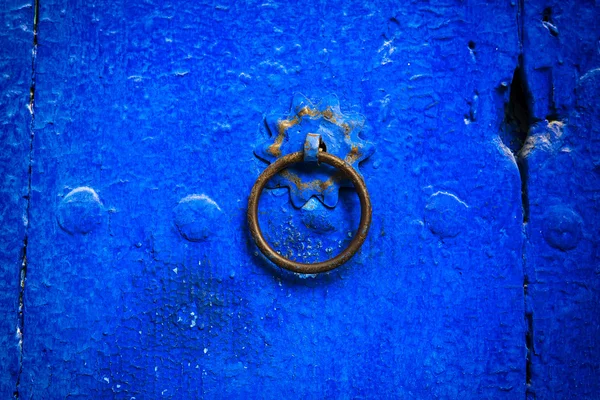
(133, 133)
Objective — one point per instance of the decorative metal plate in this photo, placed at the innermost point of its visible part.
(339, 132)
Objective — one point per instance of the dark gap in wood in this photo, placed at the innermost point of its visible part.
(24, 261)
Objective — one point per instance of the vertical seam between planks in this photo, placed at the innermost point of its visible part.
(23, 269)
(523, 173)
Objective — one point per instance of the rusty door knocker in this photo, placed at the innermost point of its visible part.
(348, 252)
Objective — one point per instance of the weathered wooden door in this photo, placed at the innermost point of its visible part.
(133, 133)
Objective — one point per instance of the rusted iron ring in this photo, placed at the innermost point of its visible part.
(324, 266)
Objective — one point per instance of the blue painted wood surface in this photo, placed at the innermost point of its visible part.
(143, 282)
(16, 43)
(562, 161)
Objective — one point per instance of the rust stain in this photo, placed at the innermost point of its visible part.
(353, 155)
(316, 184)
(346, 129)
(325, 185)
(306, 110)
(336, 178)
(295, 179)
(285, 124)
(336, 119)
(282, 126)
(328, 115)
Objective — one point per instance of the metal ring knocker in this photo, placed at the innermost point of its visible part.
(324, 266)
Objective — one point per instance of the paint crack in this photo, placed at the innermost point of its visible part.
(23, 269)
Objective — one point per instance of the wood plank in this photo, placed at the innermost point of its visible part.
(562, 160)
(16, 44)
(142, 105)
